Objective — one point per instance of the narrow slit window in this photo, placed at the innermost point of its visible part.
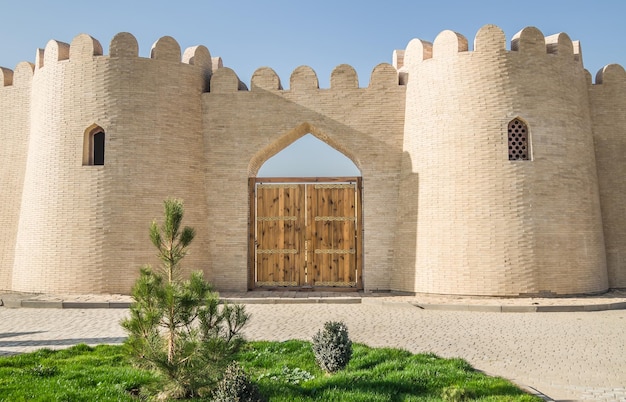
(519, 141)
(93, 146)
(98, 148)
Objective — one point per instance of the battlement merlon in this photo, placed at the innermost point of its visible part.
(611, 75)
(6, 77)
(22, 76)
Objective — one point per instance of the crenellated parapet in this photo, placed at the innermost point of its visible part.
(304, 79)
(85, 48)
(529, 43)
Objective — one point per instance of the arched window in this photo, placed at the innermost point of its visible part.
(93, 147)
(519, 141)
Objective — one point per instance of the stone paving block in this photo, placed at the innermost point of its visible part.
(295, 301)
(339, 300)
(617, 306)
(560, 309)
(115, 304)
(444, 307)
(268, 300)
(485, 309)
(519, 309)
(42, 304)
(85, 305)
(12, 303)
(596, 307)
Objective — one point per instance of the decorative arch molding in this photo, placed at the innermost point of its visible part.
(291, 136)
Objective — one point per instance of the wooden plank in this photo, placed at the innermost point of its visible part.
(351, 234)
(290, 264)
(358, 255)
(265, 228)
(316, 244)
(279, 267)
(287, 274)
(343, 240)
(251, 232)
(299, 263)
(313, 238)
(260, 234)
(326, 267)
(331, 199)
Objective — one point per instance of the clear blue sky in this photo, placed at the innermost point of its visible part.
(285, 34)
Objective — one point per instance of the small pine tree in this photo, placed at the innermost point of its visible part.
(176, 327)
(332, 347)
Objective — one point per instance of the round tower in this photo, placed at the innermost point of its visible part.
(501, 143)
(111, 137)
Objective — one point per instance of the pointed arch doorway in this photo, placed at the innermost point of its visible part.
(306, 232)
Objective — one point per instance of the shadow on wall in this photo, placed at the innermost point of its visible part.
(404, 268)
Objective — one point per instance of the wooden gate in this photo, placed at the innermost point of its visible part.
(305, 233)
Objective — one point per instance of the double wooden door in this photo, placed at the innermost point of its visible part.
(305, 233)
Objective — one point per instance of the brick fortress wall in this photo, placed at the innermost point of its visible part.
(444, 209)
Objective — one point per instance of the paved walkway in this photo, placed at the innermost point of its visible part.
(563, 355)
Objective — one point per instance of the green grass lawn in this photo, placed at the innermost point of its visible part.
(80, 373)
(284, 371)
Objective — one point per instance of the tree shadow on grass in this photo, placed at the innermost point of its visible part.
(50, 343)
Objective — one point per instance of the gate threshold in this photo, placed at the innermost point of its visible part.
(263, 296)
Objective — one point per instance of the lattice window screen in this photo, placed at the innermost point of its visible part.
(519, 144)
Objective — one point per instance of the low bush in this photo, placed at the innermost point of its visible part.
(332, 347)
(236, 387)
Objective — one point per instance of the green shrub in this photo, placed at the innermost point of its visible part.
(236, 387)
(332, 347)
(456, 394)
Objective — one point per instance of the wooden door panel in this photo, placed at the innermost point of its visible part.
(333, 233)
(279, 238)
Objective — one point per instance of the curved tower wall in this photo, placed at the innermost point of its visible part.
(608, 103)
(487, 225)
(15, 88)
(85, 228)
